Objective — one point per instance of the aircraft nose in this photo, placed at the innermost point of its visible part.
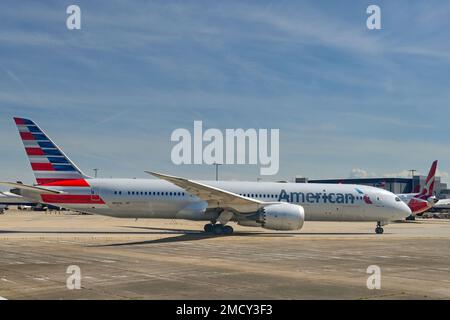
(403, 210)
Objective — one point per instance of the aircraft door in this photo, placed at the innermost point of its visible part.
(95, 197)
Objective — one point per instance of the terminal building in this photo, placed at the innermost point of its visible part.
(395, 185)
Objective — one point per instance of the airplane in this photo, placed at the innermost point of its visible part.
(425, 199)
(9, 199)
(270, 205)
(442, 204)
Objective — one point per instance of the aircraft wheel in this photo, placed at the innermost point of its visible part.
(209, 227)
(379, 230)
(227, 230)
(218, 229)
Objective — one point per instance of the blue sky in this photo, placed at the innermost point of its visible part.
(347, 100)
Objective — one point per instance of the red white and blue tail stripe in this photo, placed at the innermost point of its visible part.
(48, 162)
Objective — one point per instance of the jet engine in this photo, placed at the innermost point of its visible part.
(278, 216)
(432, 200)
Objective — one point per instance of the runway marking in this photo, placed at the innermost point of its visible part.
(42, 279)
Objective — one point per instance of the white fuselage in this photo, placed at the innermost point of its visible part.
(146, 198)
(442, 204)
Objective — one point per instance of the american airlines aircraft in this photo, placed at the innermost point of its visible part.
(270, 205)
(425, 199)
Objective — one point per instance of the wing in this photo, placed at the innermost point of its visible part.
(215, 197)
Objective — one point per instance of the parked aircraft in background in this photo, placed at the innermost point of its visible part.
(442, 204)
(425, 199)
(10, 199)
(271, 205)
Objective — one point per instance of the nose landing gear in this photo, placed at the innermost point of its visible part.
(379, 229)
(218, 229)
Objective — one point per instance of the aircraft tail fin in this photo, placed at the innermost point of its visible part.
(48, 162)
(428, 188)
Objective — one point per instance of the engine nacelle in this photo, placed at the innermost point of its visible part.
(282, 216)
(432, 200)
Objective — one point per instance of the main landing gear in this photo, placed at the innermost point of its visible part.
(379, 229)
(218, 229)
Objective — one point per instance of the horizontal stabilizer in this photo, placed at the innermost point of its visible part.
(29, 188)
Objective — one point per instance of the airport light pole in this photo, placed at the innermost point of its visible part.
(412, 179)
(95, 172)
(217, 170)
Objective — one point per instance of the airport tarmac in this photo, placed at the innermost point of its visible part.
(167, 259)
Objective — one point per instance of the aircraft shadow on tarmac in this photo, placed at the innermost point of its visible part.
(192, 235)
(81, 232)
(182, 234)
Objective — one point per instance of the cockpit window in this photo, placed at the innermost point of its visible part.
(397, 199)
